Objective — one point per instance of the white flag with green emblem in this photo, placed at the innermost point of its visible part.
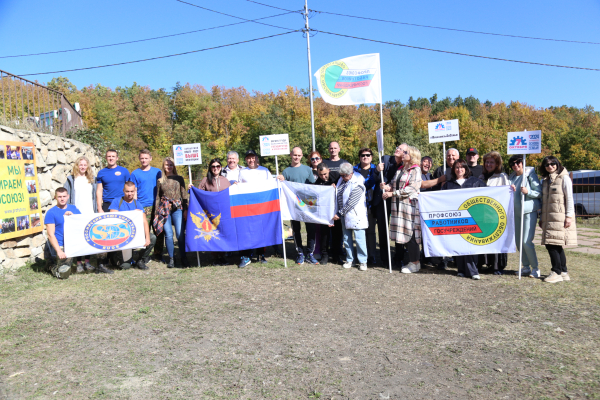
(352, 80)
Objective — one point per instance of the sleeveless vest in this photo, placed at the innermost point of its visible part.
(554, 212)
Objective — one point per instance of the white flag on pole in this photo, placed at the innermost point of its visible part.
(467, 221)
(308, 203)
(352, 80)
(87, 234)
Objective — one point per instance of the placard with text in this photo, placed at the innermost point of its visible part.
(274, 145)
(187, 154)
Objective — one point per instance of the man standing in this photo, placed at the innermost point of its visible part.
(110, 181)
(300, 173)
(451, 156)
(369, 173)
(129, 203)
(472, 157)
(334, 162)
(60, 267)
(253, 173)
(232, 170)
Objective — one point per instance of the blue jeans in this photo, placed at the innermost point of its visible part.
(361, 243)
(176, 219)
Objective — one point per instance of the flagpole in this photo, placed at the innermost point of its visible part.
(387, 228)
(197, 253)
(310, 88)
(280, 215)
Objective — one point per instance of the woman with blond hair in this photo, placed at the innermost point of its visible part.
(81, 187)
(494, 176)
(405, 225)
(171, 210)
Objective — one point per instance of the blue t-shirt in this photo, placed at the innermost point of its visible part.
(56, 216)
(112, 180)
(145, 182)
(125, 206)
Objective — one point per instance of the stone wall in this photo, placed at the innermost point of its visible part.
(54, 160)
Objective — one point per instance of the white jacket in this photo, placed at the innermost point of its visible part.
(357, 217)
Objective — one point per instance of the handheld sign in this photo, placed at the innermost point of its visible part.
(443, 131)
(187, 154)
(526, 142)
(275, 145)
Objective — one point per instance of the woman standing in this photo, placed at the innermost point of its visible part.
(405, 225)
(171, 210)
(493, 176)
(558, 216)
(352, 211)
(528, 183)
(462, 179)
(81, 187)
(214, 182)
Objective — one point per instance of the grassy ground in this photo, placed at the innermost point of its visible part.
(301, 332)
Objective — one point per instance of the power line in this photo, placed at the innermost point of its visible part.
(268, 5)
(157, 58)
(456, 53)
(145, 40)
(233, 16)
(453, 29)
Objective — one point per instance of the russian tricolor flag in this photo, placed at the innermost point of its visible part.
(244, 216)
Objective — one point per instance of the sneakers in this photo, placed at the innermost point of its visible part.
(300, 259)
(553, 278)
(347, 265)
(88, 267)
(243, 262)
(476, 277)
(126, 265)
(101, 269)
(526, 270)
(363, 267)
(324, 259)
(79, 269)
(311, 259)
(414, 267)
(405, 270)
(565, 276)
(535, 273)
(61, 272)
(262, 259)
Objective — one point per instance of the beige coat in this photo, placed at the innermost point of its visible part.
(553, 215)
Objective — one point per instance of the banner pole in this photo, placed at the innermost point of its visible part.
(280, 215)
(387, 228)
(190, 174)
(444, 157)
(310, 88)
(522, 215)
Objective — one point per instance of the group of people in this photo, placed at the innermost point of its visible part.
(7, 226)
(363, 193)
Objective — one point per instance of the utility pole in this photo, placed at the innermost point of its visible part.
(310, 88)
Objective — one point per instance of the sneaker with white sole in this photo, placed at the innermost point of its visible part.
(405, 270)
(565, 276)
(347, 265)
(476, 277)
(526, 270)
(553, 278)
(363, 267)
(535, 273)
(414, 267)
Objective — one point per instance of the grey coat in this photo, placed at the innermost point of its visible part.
(70, 186)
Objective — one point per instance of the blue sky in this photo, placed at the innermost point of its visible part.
(271, 64)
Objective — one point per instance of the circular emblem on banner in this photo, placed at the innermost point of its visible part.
(330, 73)
(490, 217)
(109, 232)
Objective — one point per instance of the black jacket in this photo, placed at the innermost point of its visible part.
(389, 170)
(321, 182)
(471, 182)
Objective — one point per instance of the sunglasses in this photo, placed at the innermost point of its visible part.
(315, 159)
(215, 166)
(516, 162)
(366, 155)
(551, 164)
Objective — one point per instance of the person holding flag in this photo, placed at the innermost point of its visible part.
(367, 169)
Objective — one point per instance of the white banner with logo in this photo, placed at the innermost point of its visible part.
(443, 131)
(87, 234)
(467, 221)
(187, 154)
(274, 145)
(309, 203)
(352, 80)
(526, 142)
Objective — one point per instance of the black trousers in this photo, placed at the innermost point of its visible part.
(257, 252)
(557, 258)
(336, 240)
(496, 261)
(467, 265)
(310, 237)
(381, 228)
(411, 247)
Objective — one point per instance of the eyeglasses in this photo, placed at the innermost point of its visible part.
(315, 159)
(551, 164)
(215, 166)
(366, 155)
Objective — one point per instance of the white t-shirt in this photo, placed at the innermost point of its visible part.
(83, 195)
(249, 175)
(233, 175)
(460, 181)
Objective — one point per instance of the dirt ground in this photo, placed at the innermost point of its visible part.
(303, 332)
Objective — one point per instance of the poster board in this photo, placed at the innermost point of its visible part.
(443, 131)
(526, 142)
(20, 207)
(274, 145)
(187, 154)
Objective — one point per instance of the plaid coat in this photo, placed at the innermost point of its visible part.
(405, 217)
